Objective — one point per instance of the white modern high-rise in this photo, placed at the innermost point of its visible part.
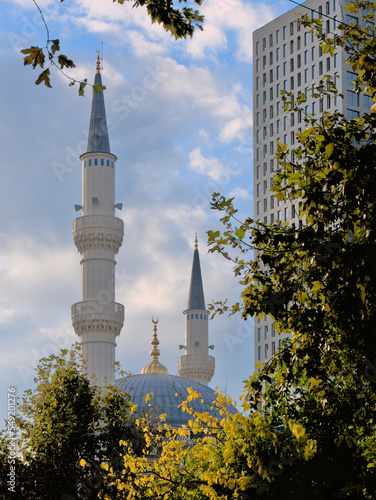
(286, 57)
(98, 235)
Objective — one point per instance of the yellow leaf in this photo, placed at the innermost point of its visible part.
(82, 462)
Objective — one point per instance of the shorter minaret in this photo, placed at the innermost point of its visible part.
(196, 364)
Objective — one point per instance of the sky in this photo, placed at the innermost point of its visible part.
(187, 135)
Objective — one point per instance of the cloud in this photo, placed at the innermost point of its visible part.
(208, 166)
(242, 193)
(226, 17)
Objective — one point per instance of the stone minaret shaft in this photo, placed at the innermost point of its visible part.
(196, 364)
(98, 235)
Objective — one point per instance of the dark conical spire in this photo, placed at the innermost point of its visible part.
(196, 298)
(98, 134)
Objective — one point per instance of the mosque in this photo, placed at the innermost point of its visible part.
(97, 319)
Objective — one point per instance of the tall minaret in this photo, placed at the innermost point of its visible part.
(98, 235)
(196, 364)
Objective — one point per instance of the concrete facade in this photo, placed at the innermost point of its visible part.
(287, 57)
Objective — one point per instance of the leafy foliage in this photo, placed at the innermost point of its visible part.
(179, 22)
(63, 421)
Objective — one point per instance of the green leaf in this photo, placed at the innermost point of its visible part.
(81, 90)
(34, 57)
(98, 88)
(45, 78)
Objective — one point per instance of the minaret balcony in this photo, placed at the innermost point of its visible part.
(198, 367)
(98, 232)
(97, 315)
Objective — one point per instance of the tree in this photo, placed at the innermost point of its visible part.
(311, 430)
(66, 420)
(180, 22)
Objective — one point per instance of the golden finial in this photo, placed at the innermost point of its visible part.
(98, 66)
(196, 242)
(155, 366)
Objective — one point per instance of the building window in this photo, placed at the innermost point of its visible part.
(327, 9)
(273, 348)
(258, 189)
(277, 37)
(306, 57)
(320, 68)
(272, 202)
(257, 136)
(335, 60)
(263, 43)
(277, 54)
(265, 205)
(258, 172)
(96, 161)
(271, 76)
(305, 39)
(306, 76)
(284, 122)
(284, 68)
(271, 166)
(278, 126)
(291, 83)
(285, 85)
(257, 100)
(285, 139)
(292, 64)
(284, 50)
(291, 46)
(266, 351)
(286, 211)
(292, 211)
(313, 108)
(279, 215)
(278, 108)
(273, 330)
(266, 332)
(90, 162)
(299, 79)
(291, 28)
(257, 65)
(271, 94)
(271, 111)
(257, 83)
(264, 97)
(313, 71)
(352, 98)
(265, 169)
(313, 53)
(258, 154)
(259, 334)
(258, 208)
(259, 353)
(258, 118)
(299, 61)
(270, 58)
(108, 163)
(257, 48)
(328, 64)
(284, 32)
(265, 151)
(264, 79)
(264, 133)
(278, 89)
(271, 130)
(265, 187)
(263, 62)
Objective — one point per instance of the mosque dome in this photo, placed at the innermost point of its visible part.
(167, 392)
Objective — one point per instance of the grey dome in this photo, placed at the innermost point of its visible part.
(165, 387)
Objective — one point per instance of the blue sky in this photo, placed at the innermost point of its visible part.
(177, 142)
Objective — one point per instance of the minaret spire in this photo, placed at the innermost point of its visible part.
(98, 139)
(98, 235)
(196, 364)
